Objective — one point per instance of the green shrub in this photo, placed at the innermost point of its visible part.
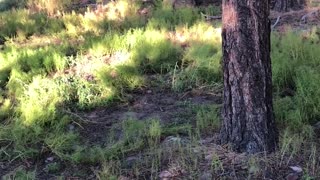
(167, 18)
(307, 96)
(202, 66)
(295, 65)
(20, 174)
(22, 24)
(154, 53)
(207, 119)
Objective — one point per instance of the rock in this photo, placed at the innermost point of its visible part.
(172, 141)
(49, 159)
(296, 169)
(292, 176)
(131, 161)
(71, 127)
(165, 174)
(207, 140)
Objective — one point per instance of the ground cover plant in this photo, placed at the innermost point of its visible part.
(126, 89)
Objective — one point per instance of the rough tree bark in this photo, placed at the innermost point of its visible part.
(248, 120)
(286, 5)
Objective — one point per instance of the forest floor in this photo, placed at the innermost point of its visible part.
(178, 148)
(299, 20)
(154, 131)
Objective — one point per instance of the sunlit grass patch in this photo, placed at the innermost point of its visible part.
(168, 18)
(39, 101)
(202, 56)
(6, 108)
(155, 53)
(22, 23)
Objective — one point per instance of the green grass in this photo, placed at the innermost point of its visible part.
(295, 76)
(78, 62)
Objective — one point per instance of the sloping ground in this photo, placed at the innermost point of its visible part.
(147, 104)
(298, 20)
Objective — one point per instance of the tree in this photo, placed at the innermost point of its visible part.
(286, 5)
(248, 120)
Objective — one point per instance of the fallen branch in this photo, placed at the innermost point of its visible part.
(208, 17)
(81, 118)
(304, 17)
(275, 24)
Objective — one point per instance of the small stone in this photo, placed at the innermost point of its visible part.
(131, 161)
(292, 176)
(296, 169)
(50, 158)
(166, 174)
(149, 91)
(207, 140)
(71, 127)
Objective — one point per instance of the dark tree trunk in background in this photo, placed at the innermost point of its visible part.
(248, 120)
(287, 5)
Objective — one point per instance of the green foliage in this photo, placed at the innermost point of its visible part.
(22, 24)
(154, 53)
(53, 167)
(208, 119)
(168, 18)
(202, 63)
(296, 76)
(73, 61)
(176, 129)
(36, 108)
(20, 174)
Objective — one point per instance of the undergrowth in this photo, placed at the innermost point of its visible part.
(55, 62)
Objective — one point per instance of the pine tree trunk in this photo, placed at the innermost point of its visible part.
(248, 120)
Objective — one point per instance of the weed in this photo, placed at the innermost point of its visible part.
(155, 132)
(53, 167)
(216, 164)
(110, 170)
(207, 119)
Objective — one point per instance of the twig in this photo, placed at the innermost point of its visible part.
(208, 17)
(81, 118)
(277, 21)
(304, 18)
(78, 124)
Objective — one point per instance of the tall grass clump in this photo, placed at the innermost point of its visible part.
(22, 24)
(296, 75)
(168, 18)
(155, 53)
(36, 108)
(201, 58)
